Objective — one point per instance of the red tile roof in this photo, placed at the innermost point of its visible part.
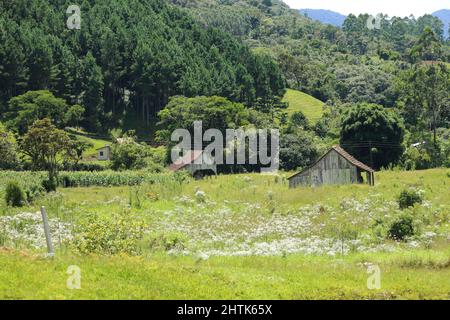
(189, 158)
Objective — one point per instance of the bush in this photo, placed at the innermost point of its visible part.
(401, 228)
(29, 182)
(297, 149)
(182, 176)
(166, 242)
(33, 191)
(408, 198)
(50, 185)
(8, 149)
(118, 234)
(415, 159)
(83, 166)
(128, 154)
(14, 195)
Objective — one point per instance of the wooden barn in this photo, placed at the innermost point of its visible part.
(205, 167)
(336, 166)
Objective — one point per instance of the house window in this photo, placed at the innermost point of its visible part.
(101, 153)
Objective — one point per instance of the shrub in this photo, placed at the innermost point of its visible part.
(8, 150)
(297, 149)
(83, 166)
(166, 242)
(118, 234)
(14, 195)
(408, 198)
(33, 191)
(401, 228)
(182, 176)
(128, 154)
(29, 182)
(50, 185)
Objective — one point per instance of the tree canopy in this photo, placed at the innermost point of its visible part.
(373, 134)
(128, 57)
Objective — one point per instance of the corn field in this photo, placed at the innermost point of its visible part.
(87, 179)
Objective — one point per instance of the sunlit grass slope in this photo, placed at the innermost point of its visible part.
(311, 107)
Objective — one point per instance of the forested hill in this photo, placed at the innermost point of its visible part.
(341, 65)
(129, 56)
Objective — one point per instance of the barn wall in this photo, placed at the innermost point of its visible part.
(207, 164)
(192, 168)
(331, 169)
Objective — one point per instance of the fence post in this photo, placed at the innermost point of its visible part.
(48, 236)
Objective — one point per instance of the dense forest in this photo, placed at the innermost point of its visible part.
(128, 57)
(351, 64)
(153, 62)
(402, 66)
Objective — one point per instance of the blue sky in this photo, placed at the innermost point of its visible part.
(391, 7)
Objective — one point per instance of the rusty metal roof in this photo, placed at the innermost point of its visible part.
(351, 159)
(345, 155)
(189, 158)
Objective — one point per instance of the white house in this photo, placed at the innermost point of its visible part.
(104, 153)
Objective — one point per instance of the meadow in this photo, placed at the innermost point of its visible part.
(299, 101)
(239, 236)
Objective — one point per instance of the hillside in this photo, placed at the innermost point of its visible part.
(311, 107)
(96, 143)
(325, 16)
(127, 57)
(327, 62)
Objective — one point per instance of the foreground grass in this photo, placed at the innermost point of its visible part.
(311, 107)
(406, 275)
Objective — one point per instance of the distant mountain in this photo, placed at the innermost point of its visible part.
(444, 15)
(324, 16)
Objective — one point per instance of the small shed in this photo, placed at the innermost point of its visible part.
(197, 167)
(336, 166)
(104, 153)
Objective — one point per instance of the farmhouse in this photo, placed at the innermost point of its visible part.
(334, 167)
(197, 163)
(104, 153)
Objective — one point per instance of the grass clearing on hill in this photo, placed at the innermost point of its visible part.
(97, 142)
(311, 107)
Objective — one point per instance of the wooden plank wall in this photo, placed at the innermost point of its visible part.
(331, 169)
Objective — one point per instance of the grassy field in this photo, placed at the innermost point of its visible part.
(406, 275)
(299, 101)
(239, 236)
